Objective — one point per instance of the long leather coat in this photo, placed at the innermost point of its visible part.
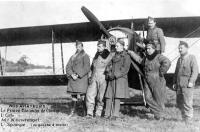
(78, 64)
(119, 66)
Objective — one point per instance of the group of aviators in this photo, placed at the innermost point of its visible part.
(105, 82)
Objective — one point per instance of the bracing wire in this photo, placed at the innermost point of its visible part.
(188, 35)
(190, 47)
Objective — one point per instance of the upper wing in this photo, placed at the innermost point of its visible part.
(43, 34)
(172, 27)
(177, 27)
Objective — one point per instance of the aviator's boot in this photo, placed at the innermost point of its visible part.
(73, 109)
(84, 112)
(90, 110)
(98, 112)
(187, 120)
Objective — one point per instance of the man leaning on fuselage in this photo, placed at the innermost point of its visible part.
(154, 65)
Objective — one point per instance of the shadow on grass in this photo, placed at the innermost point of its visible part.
(61, 107)
(67, 108)
(196, 107)
(144, 113)
(135, 111)
(170, 105)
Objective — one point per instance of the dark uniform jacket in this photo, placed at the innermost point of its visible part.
(157, 36)
(80, 65)
(186, 71)
(119, 66)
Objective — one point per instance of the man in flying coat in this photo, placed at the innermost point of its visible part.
(77, 70)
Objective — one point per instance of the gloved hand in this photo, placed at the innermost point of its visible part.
(130, 52)
(174, 87)
(145, 41)
(190, 85)
(90, 80)
(161, 74)
(111, 77)
(74, 76)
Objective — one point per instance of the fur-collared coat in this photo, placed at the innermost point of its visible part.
(80, 65)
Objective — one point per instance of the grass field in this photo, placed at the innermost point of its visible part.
(53, 115)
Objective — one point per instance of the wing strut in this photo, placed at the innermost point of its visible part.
(61, 48)
(5, 58)
(1, 67)
(53, 55)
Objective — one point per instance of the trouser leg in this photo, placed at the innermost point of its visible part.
(179, 102)
(155, 108)
(100, 96)
(159, 99)
(188, 102)
(83, 104)
(90, 97)
(116, 107)
(108, 107)
(185, 102)
(112, 110)
(74, 103)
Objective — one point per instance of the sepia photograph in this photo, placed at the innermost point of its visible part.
(99, 66)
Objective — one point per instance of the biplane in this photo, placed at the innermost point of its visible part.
(90, 31)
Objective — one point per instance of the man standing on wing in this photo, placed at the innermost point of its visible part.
(156, 35)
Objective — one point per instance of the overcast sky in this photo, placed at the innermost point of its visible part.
(34, 13)
(29, 13)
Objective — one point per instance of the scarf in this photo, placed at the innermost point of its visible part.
(104, 54)
(152, 56)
